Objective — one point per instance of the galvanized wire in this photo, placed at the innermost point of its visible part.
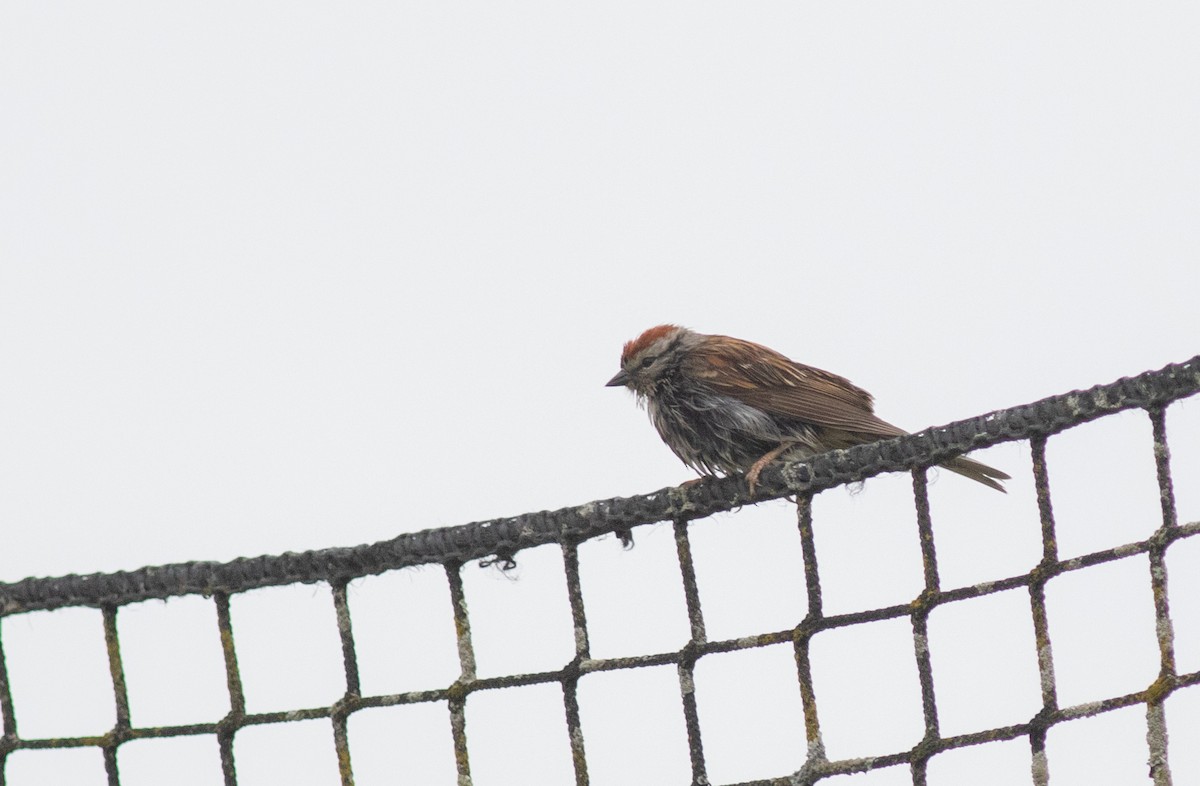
(501, 540)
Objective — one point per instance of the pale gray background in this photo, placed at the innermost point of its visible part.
(280, 276)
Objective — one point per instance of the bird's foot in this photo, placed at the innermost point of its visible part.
(757, 467)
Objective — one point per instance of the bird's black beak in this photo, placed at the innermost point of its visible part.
(618, 381)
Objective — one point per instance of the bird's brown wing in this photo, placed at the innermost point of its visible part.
(763, 378)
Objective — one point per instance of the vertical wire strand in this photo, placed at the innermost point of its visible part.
(575, 597)
(687, 659)
(466, 659)
(920, 625)
(342, 710)
(691, 590)
(570, 684)
(233, 683)
(7, 714)
(925, 530)
(1037, 603)
(116, 670)
(808, 551)
(1156, 722)
(1162, 466)
(802, 638)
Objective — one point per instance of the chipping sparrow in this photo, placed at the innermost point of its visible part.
(729, 406)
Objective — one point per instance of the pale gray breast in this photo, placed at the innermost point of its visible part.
(710, 432)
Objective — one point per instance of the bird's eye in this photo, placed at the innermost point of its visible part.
(646, 361)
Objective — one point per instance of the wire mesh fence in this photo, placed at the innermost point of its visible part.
(501, 541)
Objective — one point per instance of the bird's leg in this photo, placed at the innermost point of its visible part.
(757, 467)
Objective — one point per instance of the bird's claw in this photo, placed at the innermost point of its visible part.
(752, 476)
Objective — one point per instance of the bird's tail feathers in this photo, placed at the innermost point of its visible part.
(978, 471)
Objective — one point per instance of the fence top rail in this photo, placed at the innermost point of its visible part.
(504, 537)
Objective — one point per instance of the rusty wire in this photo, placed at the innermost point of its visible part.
(501, 539)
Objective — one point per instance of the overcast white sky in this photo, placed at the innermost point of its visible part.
(280, 276)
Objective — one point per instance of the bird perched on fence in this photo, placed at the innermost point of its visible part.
(728, 406)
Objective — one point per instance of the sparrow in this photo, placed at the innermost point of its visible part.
(728, 406)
